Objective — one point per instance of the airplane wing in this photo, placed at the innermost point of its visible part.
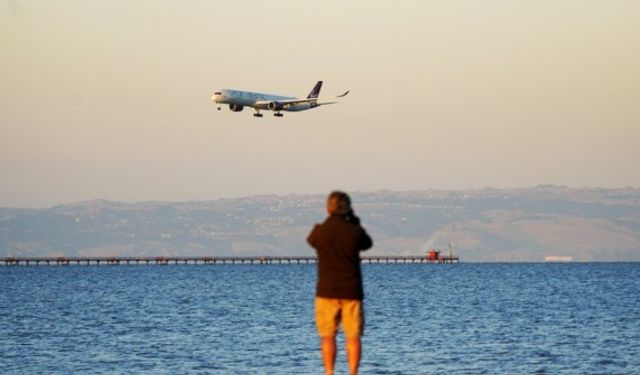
(290, 102)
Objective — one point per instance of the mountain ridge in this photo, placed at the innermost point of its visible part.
(489, 224)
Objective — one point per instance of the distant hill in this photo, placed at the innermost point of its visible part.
(484, 225)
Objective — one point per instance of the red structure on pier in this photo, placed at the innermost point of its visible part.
(434, 256)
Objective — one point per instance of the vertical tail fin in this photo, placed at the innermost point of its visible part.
(316, 90)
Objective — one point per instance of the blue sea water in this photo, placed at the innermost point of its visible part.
(258, 319)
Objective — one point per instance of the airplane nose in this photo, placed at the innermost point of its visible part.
(218, 97)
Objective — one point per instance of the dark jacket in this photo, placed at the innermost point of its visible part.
(338, 242)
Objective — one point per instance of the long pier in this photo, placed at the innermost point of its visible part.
(206, 260)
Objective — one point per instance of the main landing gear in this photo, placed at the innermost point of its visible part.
(219, 107)
(276, 114)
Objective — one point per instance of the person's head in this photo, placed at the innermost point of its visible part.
(338, 203)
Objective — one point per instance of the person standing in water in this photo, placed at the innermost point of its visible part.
(339, 291)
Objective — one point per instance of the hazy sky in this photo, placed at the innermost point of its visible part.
(111, 99)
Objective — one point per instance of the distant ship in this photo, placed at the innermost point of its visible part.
(557, 258)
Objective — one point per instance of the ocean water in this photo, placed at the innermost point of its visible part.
(258, 319)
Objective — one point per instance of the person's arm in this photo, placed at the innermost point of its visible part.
(365, 242)
(312, 239)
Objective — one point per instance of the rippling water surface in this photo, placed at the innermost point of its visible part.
(258, 319)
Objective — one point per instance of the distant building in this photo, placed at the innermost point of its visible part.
(557, 258)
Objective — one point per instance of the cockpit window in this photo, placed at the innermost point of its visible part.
(217, 93)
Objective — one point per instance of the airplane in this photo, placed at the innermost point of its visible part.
(237, 100)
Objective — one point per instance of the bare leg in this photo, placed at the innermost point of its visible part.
(328, 353)
(353, 354)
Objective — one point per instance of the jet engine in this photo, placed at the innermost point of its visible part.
(275, 106)
(236, 107)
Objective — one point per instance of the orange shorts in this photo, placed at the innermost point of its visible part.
(330, 312)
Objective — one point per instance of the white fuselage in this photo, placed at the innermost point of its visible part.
(255, 100)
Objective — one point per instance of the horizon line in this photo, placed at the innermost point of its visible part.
(354, 192)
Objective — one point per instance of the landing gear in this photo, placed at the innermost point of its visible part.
(257, 114)
(219, 107)
(278, 114)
